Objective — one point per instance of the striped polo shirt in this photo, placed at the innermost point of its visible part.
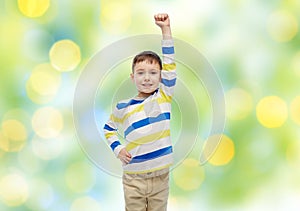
(146, 123)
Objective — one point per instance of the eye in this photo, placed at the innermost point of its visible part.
(154, 72)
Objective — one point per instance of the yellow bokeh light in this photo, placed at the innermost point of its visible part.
(190, 175)
(13, 136)
(13, 190)
(45, 80)
(283, 26)
(238, 104)
(115, 16)
(296, 63)
(295, 110)
(84, 179)
(33, 8)
(271, 112)
(14, 130)
(85, 203)
(47, 122)
(65, 55)
(36, 97)
(223, 153)
(43, 84)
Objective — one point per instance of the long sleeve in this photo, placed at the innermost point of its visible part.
(168, 74)
(111, 134)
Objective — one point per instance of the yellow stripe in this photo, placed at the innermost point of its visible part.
(165, 98)
(115, 119)
(141, 107)
(137, 109)
(169, 67)
(147, 171)
(147, 139)
(109, 134)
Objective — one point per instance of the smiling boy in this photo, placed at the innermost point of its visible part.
(147, 152)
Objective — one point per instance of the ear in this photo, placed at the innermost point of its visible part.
(132, 77)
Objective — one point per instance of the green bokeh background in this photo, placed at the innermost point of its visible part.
(252, 45)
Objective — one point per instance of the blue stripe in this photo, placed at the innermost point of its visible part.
(152, 155)
(107, 127)
(146, 121)
(168, 50)
(114, 145)
(168, 83)
(131, 102)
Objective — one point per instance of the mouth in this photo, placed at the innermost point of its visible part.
(146, 85)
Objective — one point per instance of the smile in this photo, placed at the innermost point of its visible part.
(147, 85)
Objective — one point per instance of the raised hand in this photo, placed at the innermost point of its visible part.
(162, 20)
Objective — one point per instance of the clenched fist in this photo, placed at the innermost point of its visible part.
(162, 19)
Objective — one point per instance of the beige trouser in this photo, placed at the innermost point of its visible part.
(146, 192)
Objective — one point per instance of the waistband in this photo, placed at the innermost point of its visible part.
(147, 175)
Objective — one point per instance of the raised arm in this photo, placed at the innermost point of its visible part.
(168, 73)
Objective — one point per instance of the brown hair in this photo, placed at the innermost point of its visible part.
(146, 56)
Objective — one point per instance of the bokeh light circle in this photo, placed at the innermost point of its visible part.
(33, 8)
(14, 130)
(43, 83)
(47, 122)
(271, 112)
(65, 55)
(13, 136)
(45, 80)
(88, 133)
(14, 190)
(283, 26)
(121, 19)
(189, 175)
(224, 153)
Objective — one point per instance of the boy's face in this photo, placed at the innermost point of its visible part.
(146, 77)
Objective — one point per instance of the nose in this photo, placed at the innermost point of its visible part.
(147, 76)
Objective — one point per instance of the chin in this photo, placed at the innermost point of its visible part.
(149, 91)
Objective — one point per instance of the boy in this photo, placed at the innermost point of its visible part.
(147, 153)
